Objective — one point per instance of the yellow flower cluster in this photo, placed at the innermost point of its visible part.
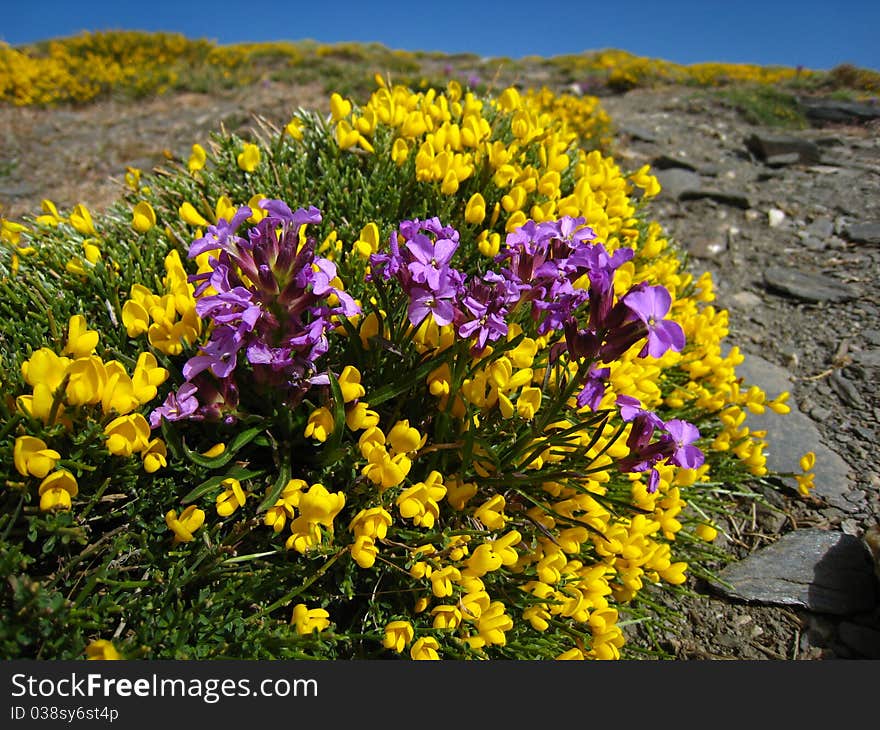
(63, 385)
(317, 508)
(622, 69)
(81, 67)
(170, 320)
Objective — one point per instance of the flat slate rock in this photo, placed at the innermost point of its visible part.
(838, 110)
(768, 147)
(807, 287)
(665, 162)
(820, 570)
(863, 232)
(677, 180)
(791, 435)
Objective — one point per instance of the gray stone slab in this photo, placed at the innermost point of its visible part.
(791, 435)
(863, 232)
(676, 180)
(769, 146)
(819, 570)
(806, 286)
(737, 200)
(839, 110)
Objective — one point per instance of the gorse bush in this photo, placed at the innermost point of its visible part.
(417, 378)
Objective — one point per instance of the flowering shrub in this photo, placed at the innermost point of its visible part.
(416, 378)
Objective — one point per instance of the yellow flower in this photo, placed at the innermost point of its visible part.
(320, 424)
(643, 179)
(102, 649)
(320, 506)
(81, 220)
(350, 384)
(399, 151)
(143, 217)
(808, 461)
(81, 341)
(446, 617)
(155, 456)
(419, 502)
(383, 469)
(147, 377)
(188, 214)
(493, 623)
(294, 128)
(231, 498)
(491, 513)
(339, 107)
(127, 435)
(441, 580)
(425, 649)
(475, 211)
(364, 551)
(359, 416)
(249, 157)
(50, 215)
(368, 241)
(308, 620)
(706, 532)
(133, 177)
(57, 489)
(197, 158)
(215, 450)
(44, 367)
(31, 457)
(529, 402)
(404, 439)
(373, 522)
(118, 392)
(397, 635)
(183, 526)
(346, 136)
(39, 405)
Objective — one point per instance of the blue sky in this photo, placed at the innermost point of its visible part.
(817, 35)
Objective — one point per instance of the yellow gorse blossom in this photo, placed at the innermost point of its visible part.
(33, 458)
(197, 158)
(249, 157)
(57, 490)
(143, 217)
(102, 649)
(309, 620)
(184, 525)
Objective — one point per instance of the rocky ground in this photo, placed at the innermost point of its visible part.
(789, 225)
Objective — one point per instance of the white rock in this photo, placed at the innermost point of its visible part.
(775, 217)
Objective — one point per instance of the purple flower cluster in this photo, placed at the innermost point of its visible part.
(676, 442)
(538, 267)
(271, 303)
(477, 308)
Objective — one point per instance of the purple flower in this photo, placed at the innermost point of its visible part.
(594, 388)
(484, 309)
(272, 302)
(644, 422)
(177, 406)
(683, 435)
(425, 301)
(653, 481)
(221, 235)
(430, 259)
(651, 304)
